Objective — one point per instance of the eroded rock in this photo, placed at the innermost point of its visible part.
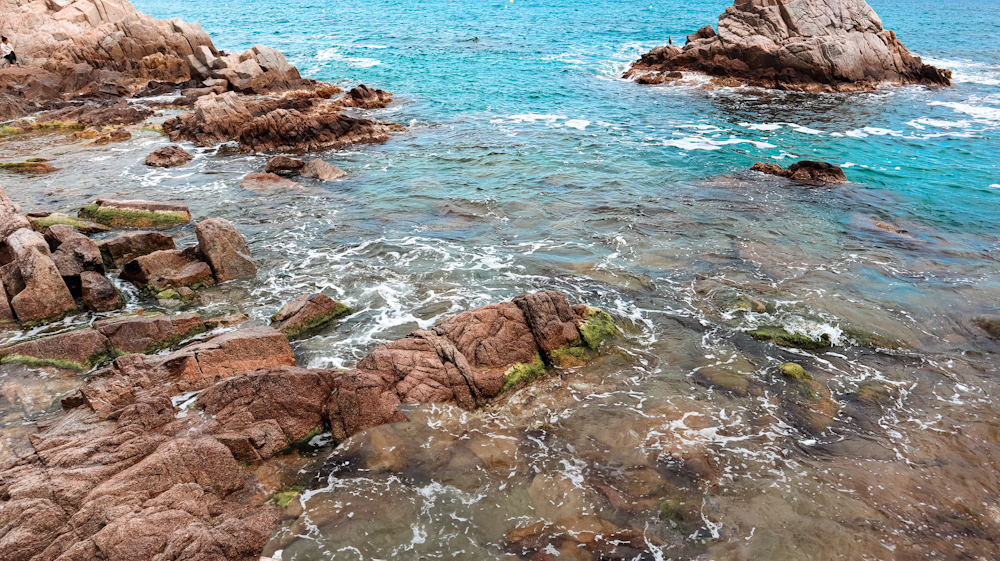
(280, 164)
(168, 157)
(811, 45)
(11, 219)
(319, 169)
(305, 313)
(806, 170)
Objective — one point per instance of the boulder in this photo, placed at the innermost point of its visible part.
(264, 182)
(321, 170)
(225, 250)
(167, 269)
(73, 253)
(305, 313)
(168, 157)
(28, 167)
(149, 333)
(45, 296)
(136, 214)
(366, 98)
(125, 247)
(280, 164)
(805, 170)
(42, 221)
(98, 294)
(74, 350)
(11, 219)
(810, 45)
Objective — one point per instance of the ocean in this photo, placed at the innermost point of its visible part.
(527, 163)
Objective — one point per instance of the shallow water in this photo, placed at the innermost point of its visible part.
(527, 164)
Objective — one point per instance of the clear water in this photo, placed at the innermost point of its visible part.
(526, 163)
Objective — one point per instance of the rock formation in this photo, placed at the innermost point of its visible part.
(168, 157)
(806, 170)
(126, 472)
(809, 45)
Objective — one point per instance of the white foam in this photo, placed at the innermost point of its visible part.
(703, 143)
(578, 124)
(764, 127)
(964, 71)
(979, 112)
(532, 117)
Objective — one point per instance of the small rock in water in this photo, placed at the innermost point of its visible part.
(167, 269)
(225, 250)
(305, 313)
(280, 164)
(321, 170)
(262, 182)
(168, 157)
(806, 170)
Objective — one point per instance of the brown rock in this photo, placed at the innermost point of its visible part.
(293, 398)
(167, 269)
(121, 249)
(321, 170)
(168, 157)
(74, 253)
(365, 97)
(268, 182)
(98, 294)
(806, 170)
(7, 319)
(148, 333)
(81, 347)
(45, 296)
(305, 313)
(225, 250)
(12, 280)
(11, 219)
(279, 164)
(552, 320)
(818, 45)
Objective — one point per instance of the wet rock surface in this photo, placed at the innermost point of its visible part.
(149, 333)
(225, 250)
(810, 45)
(168, 157)
(136, 214)
(167, 269)
(806, 170)
(44, 296)
(262, 182)
(318, 169)
(98, 294)
(305, 313)
(125, 247)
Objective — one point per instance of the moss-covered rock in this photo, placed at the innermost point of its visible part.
(307, 313)
(521, 372)
(794, 371)
(136, 214)
(284, 497)
(41, 223)
(990, 326)
(569, 357)
(28, 167)
(723, 379)
(596, 327)
(784, 338)
(35, 362)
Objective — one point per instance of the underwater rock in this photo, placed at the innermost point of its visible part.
(724, 379)
(168, 157)
(167, 269)
(779, 336)
(151, 332)
(136, 214)
(806, 45)
(98, 294)
(990, 326)
(74, 350)
(128, 246)
(806, 170)
(319, 169)
(305, 313)
(42, 221)
(28, 167)
(45, 297)
(279, 164)
(225, 250)
(264, 182)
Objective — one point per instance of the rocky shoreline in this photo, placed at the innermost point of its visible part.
(798, 45)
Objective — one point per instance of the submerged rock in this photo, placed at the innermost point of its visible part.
(123, 248)
(168, 157)
(366, 98)
(810, 45)
(990, 326)
(28, 167)
(136, 214)
(225, 250)
(319, 169)
(267, 182)
(779, 336)
(305, 313)
(806, 170)
(279, 164)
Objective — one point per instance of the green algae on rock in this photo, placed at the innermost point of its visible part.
(780, 336)
(794, 371)
(284, 497)
(35, 362)
(306, 313)
(597, 327)
(990, 326)
(570, 356)
(28, 167)
(523, 373)
(135, 214)
(42, 221)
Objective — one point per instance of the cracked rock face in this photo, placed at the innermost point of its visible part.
(809, 45)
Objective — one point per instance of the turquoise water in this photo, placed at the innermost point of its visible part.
(526, 163)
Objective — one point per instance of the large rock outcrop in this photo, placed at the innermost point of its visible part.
(811, 45)
(125, 471)
(80, 45)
